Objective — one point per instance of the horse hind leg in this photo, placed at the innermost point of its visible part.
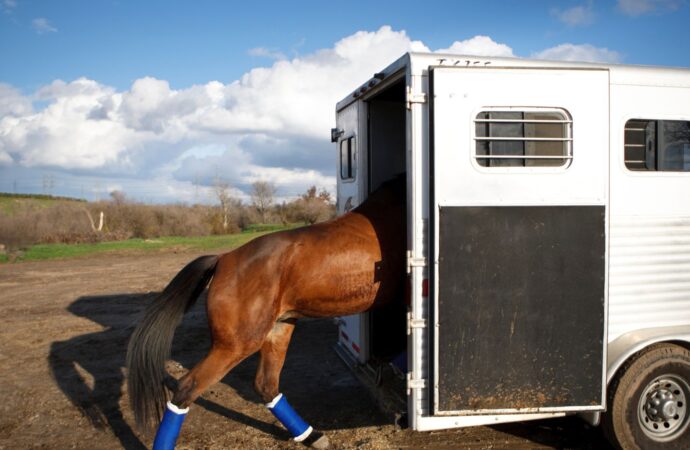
(267, 380)
(211, 369)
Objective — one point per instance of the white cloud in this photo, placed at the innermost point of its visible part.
(576, 16)
(12, 102)
(5, 159)
(273, 123)
(9, 5)
(584, 53)
(274, 119)
(266, 53)
(639, 7)
(479, 46)
(41, 26)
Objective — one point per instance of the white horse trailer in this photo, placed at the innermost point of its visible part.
(548, 243)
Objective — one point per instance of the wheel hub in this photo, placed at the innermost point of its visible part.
(661, 405)
(662, 411)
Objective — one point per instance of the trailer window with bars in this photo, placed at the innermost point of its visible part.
(534, 138)
(657, 145)
(348, 167)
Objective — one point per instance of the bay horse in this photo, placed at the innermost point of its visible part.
(257, 292)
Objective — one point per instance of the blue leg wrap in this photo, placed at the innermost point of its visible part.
(297, 427)
(169, 428)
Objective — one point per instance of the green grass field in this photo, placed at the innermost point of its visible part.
(211, 243)
(12, 203)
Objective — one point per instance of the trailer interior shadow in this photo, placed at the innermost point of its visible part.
(386, 160)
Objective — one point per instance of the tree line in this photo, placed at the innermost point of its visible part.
(121, 218)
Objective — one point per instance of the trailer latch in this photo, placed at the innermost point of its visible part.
(414, 323)
(415, 383)
(414, 262)
(413, 97)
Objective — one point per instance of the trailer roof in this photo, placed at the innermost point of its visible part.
(419, 64)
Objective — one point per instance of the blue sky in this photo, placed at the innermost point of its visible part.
(159, 98)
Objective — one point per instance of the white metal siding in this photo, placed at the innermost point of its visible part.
(649, 274)
(649, 266)
(649, 213)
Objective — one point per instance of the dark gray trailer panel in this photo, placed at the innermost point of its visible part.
(521, 307)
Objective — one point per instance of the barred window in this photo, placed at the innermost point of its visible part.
(534, 138)
(657, 145)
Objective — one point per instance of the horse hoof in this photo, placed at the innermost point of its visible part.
(321, 443)
(317, 440)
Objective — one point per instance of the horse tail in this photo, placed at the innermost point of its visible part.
(150, 344)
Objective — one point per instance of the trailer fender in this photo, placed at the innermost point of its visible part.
(626, 345)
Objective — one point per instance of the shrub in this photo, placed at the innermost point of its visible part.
(63, 221)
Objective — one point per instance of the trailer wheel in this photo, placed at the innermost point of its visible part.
(648, 405)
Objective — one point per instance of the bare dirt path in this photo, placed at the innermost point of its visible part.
(65, 326)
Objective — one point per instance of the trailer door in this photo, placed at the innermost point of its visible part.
(352, 330)
(520, 170)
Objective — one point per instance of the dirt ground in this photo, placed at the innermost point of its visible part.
(64, 331)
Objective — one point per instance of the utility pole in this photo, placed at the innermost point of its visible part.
(48, 184)
(196, 189)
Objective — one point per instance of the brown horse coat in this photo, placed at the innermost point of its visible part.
(340, 267)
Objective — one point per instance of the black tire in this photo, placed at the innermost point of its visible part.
(660, 373)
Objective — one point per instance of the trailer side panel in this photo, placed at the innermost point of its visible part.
(521, 307)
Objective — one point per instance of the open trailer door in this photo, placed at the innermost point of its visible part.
(352, 330)
(520, 170)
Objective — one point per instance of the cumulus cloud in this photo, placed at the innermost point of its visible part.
(273, 123)
(61, 134)
(583, 53)
(479, 46)
(42, 26)
(640, 7)
(12, 102)
(576, 16)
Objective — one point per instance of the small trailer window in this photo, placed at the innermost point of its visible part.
(659, 145)
(523, 138)
(348, 168)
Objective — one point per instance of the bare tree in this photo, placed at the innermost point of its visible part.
(118, 197)
(101, 216)
(262, 198)
(222, 190)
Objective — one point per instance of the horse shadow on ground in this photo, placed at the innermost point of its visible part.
(90, 370)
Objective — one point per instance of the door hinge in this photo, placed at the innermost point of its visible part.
(414, 262)
(414, 323)
(415, 384)
(412, 97)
